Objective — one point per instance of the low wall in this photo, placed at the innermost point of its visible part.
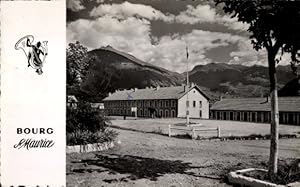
(90, 147)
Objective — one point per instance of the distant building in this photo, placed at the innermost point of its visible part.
(158, 102)
(97, 106)
(257, 110)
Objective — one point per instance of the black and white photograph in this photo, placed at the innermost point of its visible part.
(150, 93)
(183, 93)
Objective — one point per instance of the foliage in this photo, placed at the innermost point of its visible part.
(84, 137)
(78, 62)
(270, 22)
(272, 25)
(87, 125)
(85, 118)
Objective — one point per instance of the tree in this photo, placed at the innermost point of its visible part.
(78, 63)
(275, 26)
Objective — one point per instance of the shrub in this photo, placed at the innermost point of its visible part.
(85, 118)
(86, 125)
(81, 137)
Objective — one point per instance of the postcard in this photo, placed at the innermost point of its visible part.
(150, 93)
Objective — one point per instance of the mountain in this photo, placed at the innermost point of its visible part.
(237, 80)
(292, 88)
(114, 70)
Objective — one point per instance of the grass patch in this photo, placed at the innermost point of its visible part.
(288, 172)
(257, 137)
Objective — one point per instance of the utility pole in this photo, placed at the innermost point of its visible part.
(187, 87)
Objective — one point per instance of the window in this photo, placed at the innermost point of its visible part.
(160, 104)
(167, 103)
(187, 103)
(173, 103)
(200, 113)
(194, 104)
(161, 113)
(200, 104)
(173, 113)
(166, 113)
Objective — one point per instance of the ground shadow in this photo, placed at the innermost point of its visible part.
(137, 167)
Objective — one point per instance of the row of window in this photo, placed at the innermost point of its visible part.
(242, 116)
(142, 103)
(194, 104)
(261, 117)
(144, 113)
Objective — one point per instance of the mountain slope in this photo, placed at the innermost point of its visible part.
(113, 69)
(292, 88)
(237, 80)
(117, 70)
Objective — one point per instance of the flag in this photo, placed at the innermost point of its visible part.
(187, 52)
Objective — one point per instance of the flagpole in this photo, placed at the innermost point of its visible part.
(187, 87)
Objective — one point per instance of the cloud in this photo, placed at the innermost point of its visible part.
(133, 35)
(246, 55)
(75, 5)
(126, 9)
(170, 51)
(192, 15)
(207, 14)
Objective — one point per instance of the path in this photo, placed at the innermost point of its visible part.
(144, 159)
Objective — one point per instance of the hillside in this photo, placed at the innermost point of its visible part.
(238, 80)
(113, 69)
(117, 70)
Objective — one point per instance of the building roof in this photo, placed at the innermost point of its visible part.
(174, 92)
(287, 104)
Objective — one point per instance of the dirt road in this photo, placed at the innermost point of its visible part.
(144, 159)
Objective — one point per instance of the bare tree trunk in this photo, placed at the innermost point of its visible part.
(273, 160)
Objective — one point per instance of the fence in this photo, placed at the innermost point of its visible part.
(194, 129)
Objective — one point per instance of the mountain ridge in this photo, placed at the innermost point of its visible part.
(114, 70)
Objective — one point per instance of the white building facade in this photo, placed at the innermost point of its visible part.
(164, 102)
(198, 104)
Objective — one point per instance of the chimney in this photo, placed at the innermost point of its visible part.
(268, 99)
(192, 84)
(135, 89)
(109, 94)
(221, 98)
(157, 88)
(185, 88)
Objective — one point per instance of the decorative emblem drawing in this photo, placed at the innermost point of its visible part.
(36, 54)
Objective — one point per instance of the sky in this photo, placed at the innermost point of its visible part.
(159, 31)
